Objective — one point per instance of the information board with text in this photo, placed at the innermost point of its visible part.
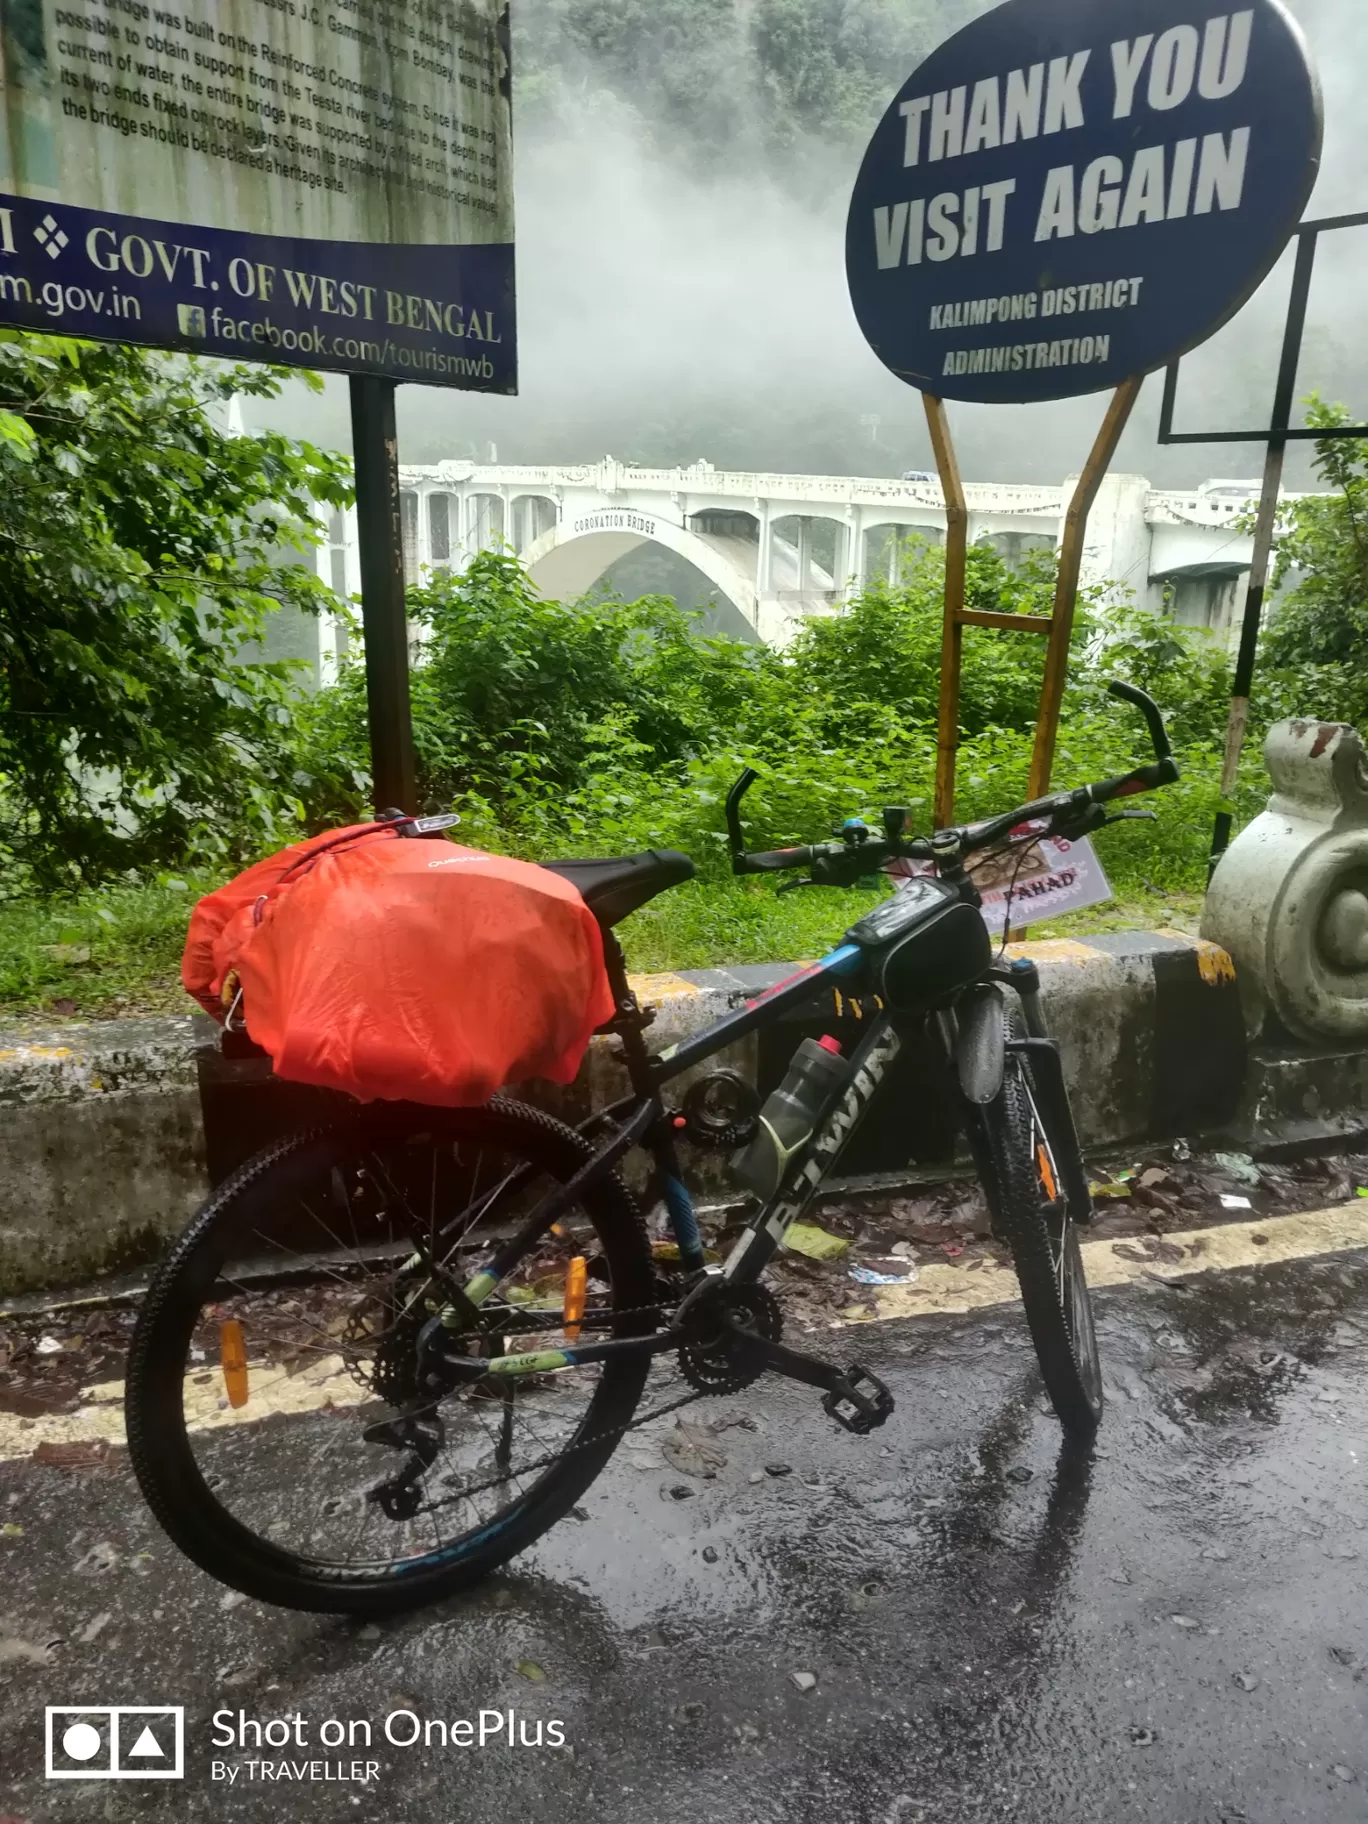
(328, 185)
(1066, 194)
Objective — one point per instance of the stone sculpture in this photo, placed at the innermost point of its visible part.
(1289, 899)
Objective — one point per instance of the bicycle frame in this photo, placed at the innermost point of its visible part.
(642, 1119)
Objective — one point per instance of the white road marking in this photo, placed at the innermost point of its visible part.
(941, 1288)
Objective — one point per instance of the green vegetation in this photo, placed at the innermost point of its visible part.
(1314, 652)
(141, 549)
(146, 751)
(117, 950)
(557, 730)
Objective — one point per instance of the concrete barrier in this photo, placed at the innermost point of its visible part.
(111, 1133)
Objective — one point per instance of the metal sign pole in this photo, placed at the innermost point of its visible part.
(1275, 437)
(1261, 555)
(379, 525)
(1066, 584)
(980, 280)
(1058, 625)
(952, 634)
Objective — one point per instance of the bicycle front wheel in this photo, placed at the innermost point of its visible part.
(1018, 1164)
(277, 1422)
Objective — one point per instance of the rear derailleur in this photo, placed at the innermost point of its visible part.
(422, 1436)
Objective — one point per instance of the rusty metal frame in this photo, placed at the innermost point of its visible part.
(1275, 438)
(1056, 626)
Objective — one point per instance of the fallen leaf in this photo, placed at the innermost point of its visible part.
(693, 1450)
(79, 1453)
(531, 1671)
(1155, 1178)
(816, 1243)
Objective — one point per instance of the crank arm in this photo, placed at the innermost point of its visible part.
(846, 1401)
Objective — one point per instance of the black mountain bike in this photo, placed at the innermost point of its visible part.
(390, 1353)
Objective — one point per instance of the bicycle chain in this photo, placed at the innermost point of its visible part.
(559, 1456)
(721, 1386)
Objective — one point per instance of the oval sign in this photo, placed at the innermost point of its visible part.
(1064, 195)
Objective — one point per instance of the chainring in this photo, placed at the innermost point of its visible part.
(708, 1358)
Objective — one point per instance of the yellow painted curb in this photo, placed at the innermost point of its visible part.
(652, 988)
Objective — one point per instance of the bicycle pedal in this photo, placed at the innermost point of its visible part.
(852, 1407)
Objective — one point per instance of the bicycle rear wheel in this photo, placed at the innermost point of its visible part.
(272, 1378)
(1018, 1164)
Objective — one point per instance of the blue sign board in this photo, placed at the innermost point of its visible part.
(1068, 194)
(327, 187)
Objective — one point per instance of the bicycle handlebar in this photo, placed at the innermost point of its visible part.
(843, 863)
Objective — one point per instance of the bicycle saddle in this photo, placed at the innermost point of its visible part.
(614, 886)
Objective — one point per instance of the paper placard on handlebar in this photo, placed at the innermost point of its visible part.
(1052, 877)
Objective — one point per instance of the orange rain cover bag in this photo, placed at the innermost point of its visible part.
(400, 968)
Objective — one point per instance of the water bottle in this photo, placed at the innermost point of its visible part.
(817, 1072)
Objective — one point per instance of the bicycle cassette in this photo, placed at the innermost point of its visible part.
(709, 1358)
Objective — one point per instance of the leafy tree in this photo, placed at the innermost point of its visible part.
(886, 648)
(1313, 652)
(142, 549)
(1324, 537)
(518, 700)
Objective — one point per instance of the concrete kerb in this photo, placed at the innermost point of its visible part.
(111, 1132)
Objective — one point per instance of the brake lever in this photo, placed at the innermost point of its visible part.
(792, 886)
(1130, 817)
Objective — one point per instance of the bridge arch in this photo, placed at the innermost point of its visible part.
(569, 558)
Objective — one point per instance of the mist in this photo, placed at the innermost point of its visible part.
(681, 293)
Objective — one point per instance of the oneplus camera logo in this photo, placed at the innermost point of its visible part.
(115, 1742)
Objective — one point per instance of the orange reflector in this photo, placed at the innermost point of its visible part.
(1047, 1177)
(233, 1360)
(576, 1285)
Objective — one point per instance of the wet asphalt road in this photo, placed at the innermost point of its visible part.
(1175, 1632)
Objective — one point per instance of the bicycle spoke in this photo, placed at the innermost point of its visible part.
(330, 1324)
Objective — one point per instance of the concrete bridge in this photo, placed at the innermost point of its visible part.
(782, 548)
